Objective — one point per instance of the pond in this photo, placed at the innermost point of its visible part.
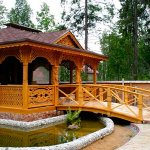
(47, 136)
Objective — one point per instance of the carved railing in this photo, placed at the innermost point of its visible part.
(40, 95)
(11, 96)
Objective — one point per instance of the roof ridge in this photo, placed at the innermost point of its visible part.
(21, 27)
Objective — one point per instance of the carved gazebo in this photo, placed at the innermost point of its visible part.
(29, 68)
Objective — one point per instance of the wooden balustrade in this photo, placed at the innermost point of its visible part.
(41, 95)
(11, 96)
(122, 101)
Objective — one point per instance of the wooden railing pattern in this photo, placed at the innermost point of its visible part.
(114, 100)
(11, 96)
(40, 95)
(122, 100)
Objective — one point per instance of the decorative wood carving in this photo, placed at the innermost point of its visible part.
(67, 41)
(39, 52)
(40, 95)
(4, 53)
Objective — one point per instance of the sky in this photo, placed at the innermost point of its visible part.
(55, 9)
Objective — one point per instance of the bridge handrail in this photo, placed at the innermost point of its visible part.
(92, 94)
(131, 87)
(123, 90)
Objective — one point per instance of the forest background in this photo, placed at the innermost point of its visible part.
(124, 33)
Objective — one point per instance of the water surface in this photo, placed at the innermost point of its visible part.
(47, 136)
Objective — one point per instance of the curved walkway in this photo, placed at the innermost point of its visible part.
(141, 141)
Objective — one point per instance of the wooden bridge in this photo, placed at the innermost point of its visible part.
(125, 102)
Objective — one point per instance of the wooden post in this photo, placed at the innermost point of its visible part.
(125, 96)
(25, 85)
(109, 99)
(94, 76)
(55, 82)
(140, 106)
(55, 70)
(78, 75)
(79, 93)
(101, 96)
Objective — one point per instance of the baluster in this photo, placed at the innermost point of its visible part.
(140, 106)
(101, 96)
(108, 99)
(125, 97)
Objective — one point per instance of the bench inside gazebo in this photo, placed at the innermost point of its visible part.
(30, 61)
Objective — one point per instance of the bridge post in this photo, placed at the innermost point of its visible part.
(140, 106)
(125, 97)
(80, 95)
(100, 90)
(108, 99)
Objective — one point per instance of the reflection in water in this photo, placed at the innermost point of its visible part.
(46, 136)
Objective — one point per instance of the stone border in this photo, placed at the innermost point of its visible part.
(74, 145)
(22, 125)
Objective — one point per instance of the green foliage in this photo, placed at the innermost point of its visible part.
(119, 63)
(84, 76)
(68, 136)
(120, 44)
(74, 18)
(3, 14)
(21, 14)
(64, 74)
(45, 19)
(73, 117)
(134, 25)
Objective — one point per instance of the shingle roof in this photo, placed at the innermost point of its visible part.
(15, 32)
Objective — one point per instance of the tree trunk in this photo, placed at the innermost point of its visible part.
(86, 26)
(135, 40)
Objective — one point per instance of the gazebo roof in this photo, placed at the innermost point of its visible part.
(16, 33)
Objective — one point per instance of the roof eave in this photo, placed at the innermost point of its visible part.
(98, 56)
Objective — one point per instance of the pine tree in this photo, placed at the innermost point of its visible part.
(83, 16)
(134, 17)
(21, 14)
(45, 19)
(3, 14)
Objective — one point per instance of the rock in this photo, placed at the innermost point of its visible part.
(73, 126)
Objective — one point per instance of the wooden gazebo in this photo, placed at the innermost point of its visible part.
(29, 67)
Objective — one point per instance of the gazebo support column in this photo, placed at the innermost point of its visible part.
(55, 82)
(94, 76)
(25, 85)
(79, 93)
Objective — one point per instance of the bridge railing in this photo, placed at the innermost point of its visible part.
(68, 94)
(113, 99)
(116, 99)
(145, 93)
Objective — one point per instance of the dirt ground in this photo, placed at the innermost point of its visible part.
(120, 136)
